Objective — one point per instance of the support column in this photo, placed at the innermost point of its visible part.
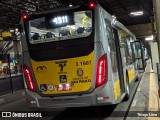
(156, 6)
(154, 57)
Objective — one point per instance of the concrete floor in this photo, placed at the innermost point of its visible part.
(146, 101)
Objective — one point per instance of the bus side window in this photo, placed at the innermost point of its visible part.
(122, 48)
(112, 46)
(125, 43)
(129, 52)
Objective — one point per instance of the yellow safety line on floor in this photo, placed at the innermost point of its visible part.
(153, 96)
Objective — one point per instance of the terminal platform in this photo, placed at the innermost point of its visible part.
(146, 101)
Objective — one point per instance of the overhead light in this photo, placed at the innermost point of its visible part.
(138, 13)
(70, 5)
(150, 38)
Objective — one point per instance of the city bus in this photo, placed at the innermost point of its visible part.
(77, 56)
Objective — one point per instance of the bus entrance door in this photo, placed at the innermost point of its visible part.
(121, 62)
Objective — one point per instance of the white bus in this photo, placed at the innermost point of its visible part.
(77, 56)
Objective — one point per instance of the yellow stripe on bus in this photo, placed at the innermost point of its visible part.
(131, 74)
(117, 91)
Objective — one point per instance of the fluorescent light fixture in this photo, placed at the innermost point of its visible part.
(70, 5)
(149, 38)
(138, 13)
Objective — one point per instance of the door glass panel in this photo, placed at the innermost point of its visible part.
(138, 55)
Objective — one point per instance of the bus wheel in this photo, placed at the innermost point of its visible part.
(127, 89)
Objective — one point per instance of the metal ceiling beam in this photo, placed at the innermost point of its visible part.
(29, 2)
(124, 6)
(105, 4)
(15, 6)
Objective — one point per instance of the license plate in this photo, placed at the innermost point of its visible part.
(64, 87)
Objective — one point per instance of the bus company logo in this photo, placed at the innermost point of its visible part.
(80, 72)
(61, 64)
(41, 69)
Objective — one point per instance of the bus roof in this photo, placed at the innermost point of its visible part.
(56, 10)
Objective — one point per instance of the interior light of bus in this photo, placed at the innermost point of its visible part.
(29, 80)
(102, 71)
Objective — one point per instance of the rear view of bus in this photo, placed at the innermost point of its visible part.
(62, 67)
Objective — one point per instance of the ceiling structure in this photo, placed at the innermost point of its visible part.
(11, 10)
(122, 9)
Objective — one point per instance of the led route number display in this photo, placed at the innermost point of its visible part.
(53, 21)
(60, 20)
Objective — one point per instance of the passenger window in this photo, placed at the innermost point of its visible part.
(129, 52)
(125, 42)
(112, 47)
(55, 27)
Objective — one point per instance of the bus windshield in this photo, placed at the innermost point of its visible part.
(63, 26)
